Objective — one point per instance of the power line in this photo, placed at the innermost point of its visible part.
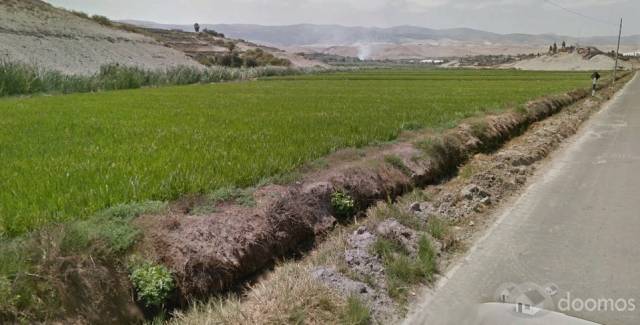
(597, 20)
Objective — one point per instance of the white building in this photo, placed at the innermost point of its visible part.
(432, 61)
(636, 54)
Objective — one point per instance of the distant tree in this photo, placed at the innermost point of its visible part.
(555, 48)
(196, 26)
(564, 44)
(550, 48)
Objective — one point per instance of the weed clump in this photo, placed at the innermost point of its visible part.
(343, 205)
(437, 228)
(243, 197)
(153, 283)
(356, 312)
(403, 270)
(111, 229)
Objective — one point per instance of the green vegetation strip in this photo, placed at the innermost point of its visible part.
(67, 157)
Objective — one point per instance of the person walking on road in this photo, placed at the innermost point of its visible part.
(595, 77)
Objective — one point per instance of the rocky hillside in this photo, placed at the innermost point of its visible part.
(37, 33)
(34, 32)
(209, 47)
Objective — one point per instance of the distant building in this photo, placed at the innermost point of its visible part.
(432, 61)
(632, 54)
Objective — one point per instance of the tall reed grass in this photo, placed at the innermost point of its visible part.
(22, 79)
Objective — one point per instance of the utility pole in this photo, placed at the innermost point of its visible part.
(615, 69)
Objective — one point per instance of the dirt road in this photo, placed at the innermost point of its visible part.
(573, 237)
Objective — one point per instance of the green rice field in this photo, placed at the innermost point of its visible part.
(67, 157)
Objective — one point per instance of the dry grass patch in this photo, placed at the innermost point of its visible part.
(289, 295)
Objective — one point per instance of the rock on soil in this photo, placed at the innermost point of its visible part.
(392, 230)
(359, 258)
(382, 306)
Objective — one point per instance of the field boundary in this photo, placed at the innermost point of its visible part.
(211, 254)
(382, 261)
(210, 247)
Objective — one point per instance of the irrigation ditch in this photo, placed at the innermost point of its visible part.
(211, 248)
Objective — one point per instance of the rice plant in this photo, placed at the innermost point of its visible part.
(67, 157)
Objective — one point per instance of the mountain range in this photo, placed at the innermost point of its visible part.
(399, 41)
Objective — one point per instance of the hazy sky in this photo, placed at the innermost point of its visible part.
(503, 16)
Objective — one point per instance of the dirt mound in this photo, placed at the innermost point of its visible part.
(567, 62)
(34, 32)
(212, 253)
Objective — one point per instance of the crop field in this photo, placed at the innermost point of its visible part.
(67, 157)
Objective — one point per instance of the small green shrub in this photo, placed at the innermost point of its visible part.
(110, 227)
(343, 205)
(356, 312)
(153, 283)
(427, 259)
(404, 271)
(133, 210)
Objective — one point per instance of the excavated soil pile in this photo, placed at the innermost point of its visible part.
(212, 253)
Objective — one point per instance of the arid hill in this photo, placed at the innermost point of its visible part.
(209, 47)
(37, 33)
(34, 32)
